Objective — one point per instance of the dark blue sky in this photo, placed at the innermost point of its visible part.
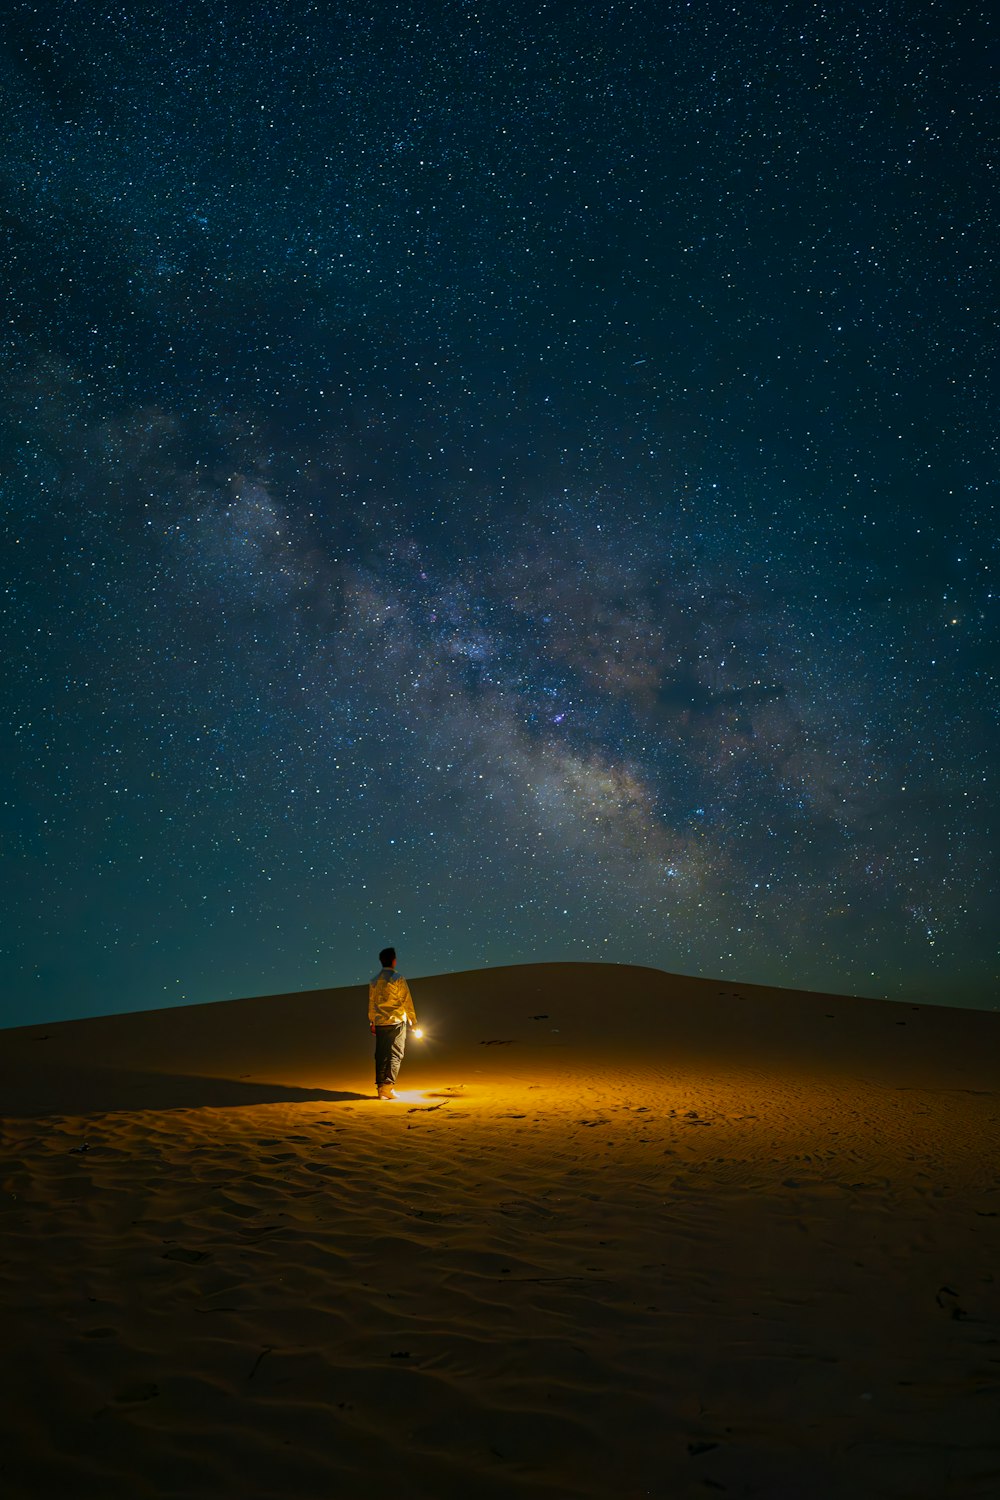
(511, 481)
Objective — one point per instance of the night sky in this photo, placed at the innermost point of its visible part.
(509, 480)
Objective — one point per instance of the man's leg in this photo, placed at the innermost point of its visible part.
(383, 1055)
(396, 1050)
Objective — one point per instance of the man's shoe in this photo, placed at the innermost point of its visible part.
(387, 1092)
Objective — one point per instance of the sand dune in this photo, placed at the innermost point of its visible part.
(747, 1247)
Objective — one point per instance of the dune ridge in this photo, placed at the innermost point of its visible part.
(749, 1250)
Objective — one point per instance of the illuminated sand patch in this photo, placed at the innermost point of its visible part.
(542, 1271)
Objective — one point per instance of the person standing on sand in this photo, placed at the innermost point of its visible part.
(390, 1012)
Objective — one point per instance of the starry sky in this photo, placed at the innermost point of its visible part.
(512, 481)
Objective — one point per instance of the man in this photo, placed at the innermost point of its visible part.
(390, 1012)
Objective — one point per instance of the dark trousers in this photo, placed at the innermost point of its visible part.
(390, 1044)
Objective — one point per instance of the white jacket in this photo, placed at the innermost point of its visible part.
(389, 999)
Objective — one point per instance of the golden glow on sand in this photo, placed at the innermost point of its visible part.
(758, 1255)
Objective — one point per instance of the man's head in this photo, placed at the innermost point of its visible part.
(387, 958)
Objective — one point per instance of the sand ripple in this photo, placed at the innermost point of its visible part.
(679, 1297)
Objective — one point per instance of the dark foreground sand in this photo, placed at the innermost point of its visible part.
(749, 1249)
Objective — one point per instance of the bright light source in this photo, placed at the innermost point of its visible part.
(418, 1031)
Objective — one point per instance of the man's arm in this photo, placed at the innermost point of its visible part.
(371, 1004)
(411, 1014)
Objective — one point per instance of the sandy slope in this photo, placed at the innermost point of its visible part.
(749, 1248)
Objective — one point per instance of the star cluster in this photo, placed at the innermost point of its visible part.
(509, 481)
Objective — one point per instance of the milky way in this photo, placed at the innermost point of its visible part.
(510, 482)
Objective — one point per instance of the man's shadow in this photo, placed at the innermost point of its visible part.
(59, 1089)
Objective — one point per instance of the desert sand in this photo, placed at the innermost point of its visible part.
(623, 1234)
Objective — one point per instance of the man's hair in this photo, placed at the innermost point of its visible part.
(386, 957)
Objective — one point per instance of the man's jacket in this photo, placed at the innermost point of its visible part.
(389, 999)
